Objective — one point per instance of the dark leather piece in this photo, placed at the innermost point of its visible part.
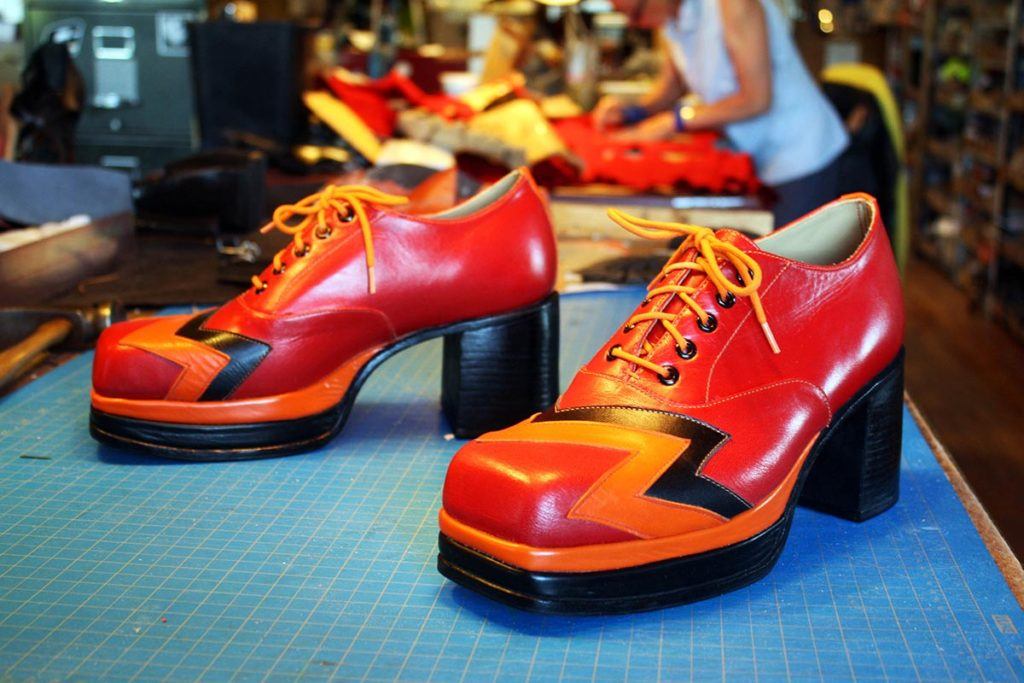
(681, 482)
(226, 56)
(225, 187)
(245, 353)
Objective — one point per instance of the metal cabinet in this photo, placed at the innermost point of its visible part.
(134, 59)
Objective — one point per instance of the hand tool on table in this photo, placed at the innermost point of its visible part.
(27, 334)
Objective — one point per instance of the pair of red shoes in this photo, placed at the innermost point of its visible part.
(753, 376)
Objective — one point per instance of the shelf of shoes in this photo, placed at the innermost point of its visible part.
(963, 107)
(1007, 271)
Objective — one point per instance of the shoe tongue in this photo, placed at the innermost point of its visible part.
(726, 235)
(737, 239)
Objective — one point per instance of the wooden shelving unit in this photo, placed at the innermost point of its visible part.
(958, 67)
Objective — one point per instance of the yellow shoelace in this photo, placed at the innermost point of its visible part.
(348, 201)
(710, 250)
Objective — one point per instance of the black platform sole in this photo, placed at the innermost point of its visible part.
(496, 371)
(851, 472)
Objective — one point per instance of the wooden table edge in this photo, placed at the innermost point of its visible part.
(1008, 564)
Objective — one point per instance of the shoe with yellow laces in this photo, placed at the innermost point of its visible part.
(276, 369)
(753, 375)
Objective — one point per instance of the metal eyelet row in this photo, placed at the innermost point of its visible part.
(690, 351)
(320, 234)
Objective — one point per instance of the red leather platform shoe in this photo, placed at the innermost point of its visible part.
(276, 369)
(753, 376)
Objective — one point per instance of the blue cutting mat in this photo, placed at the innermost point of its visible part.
(114, 566)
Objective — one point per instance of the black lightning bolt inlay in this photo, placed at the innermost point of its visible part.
(681, 482)
(244, 353)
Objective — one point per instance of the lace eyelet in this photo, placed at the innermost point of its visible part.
(628, 328)
(609, 355)
(689, 352)
(710, 325)
(727, 302)
(259, 290)
(645, 301)
(348, 217)
(300, 254)
(323, 234)
(278, 271)
(673, 375)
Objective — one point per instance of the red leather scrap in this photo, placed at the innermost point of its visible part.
(692, 163)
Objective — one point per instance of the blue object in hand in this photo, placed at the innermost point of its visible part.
(633, 114)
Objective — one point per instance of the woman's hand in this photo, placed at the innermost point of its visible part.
(658, 127)
(608, 112)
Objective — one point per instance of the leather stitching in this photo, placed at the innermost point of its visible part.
(574, 513)
(726, 399)
(251, 369)
(704, 460)
(288, 317)
(722, 486)
(327, 248)
(736, 330)
(647, 410)
(869, 236)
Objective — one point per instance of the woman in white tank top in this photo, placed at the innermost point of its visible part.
(737, 56)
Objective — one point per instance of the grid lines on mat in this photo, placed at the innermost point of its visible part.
(116, 566)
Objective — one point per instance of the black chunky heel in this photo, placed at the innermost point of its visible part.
(501, 370)
(856, 474)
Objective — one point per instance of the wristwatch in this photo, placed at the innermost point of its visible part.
(683, 115)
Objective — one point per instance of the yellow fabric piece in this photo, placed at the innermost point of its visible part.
(343, 121)
(520, 124)
(870, 79)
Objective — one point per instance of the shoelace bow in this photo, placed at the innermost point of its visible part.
(710, 250)
(348, 201)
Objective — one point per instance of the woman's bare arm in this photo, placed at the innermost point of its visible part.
(667, 89)
(746, 39)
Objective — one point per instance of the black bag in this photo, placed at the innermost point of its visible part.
(48, 106)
